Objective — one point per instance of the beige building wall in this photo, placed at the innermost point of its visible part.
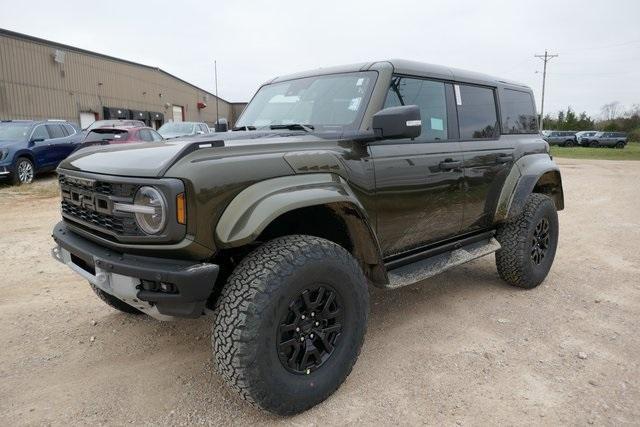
(33, 85)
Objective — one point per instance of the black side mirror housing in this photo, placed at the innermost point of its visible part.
(398, 122)
(221, 125)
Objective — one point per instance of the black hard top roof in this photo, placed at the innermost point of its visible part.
(414, 68)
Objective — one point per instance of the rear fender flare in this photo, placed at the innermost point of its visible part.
(526, 173)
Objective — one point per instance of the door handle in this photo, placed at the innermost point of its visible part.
(504, 158)
(450, 164)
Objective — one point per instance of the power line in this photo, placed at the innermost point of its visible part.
(546, 58)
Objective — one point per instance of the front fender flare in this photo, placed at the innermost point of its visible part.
(253, 209)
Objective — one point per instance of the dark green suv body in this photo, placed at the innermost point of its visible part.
(384, 173)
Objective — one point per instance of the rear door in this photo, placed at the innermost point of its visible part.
(419, 197)
(488, 155)
(60, 145)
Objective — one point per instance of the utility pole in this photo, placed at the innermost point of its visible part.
(215, 71)
(545, 58)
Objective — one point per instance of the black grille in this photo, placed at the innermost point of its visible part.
(119, 225)
(89, 203)
(102, 187)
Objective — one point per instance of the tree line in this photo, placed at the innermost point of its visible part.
(613, 119)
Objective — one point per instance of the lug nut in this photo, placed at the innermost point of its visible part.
(313, 314)
(303, 317)
(297, 329)
(308, 371)
(317, 323)
(302, 338)
(311, 336)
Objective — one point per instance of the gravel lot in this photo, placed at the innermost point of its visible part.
(462, 348)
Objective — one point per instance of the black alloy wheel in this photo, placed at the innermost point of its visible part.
(310, 330)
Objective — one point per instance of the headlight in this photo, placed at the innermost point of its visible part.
(154, 219)
(3, 153)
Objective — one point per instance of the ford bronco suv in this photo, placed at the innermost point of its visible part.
(383, 173)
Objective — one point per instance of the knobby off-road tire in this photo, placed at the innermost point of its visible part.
(264, 300)
(528, 245)
(114, 302)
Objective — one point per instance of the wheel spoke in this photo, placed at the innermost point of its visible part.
(308, 332)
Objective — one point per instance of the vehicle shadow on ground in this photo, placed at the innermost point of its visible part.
(390, 310)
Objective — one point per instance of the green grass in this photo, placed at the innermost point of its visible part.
(630, 152)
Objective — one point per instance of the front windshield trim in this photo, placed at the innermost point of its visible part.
(317, 127)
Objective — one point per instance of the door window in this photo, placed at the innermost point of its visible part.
(155, 135)
(518, 112)
(429, 96)
(40, 132)
(145, 135)
(56, 131)
(477, 112)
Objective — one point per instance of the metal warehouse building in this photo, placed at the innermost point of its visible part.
(40, 79)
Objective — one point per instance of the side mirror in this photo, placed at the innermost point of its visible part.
(398, 122)
(222, 125)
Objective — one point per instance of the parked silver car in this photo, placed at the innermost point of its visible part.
(584, 136)
(561, 138)
(608, 139)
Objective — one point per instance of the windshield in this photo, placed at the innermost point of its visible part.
(176, 128)
(14, 131)
(112, 123)
(334, 101)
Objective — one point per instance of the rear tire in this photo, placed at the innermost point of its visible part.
(264, 339)
(529, 243)
(568, 143)
(620, 145)
(114, 302)
(594, 144)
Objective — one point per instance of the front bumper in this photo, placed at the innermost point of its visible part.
(128, 277)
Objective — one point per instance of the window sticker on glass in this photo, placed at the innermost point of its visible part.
(360, 81)
(437, 124)
(354, 104)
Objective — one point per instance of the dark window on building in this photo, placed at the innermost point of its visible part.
(429, 96)
(56, 131)
(477, 113)
(40, 132)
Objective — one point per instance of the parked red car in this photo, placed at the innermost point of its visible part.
(120, 135)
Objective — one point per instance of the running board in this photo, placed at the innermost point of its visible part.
(429, 267)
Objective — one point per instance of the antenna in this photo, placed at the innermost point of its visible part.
(215, 71)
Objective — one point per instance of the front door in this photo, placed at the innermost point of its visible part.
(419, 194)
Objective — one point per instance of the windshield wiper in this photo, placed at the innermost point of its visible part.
(244, 128)
(293, 126)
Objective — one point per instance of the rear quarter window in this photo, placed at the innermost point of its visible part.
(518, 112)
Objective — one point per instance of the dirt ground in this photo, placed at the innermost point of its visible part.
(461, 348)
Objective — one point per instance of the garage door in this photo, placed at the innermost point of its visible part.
(177, 113)
(86, 119)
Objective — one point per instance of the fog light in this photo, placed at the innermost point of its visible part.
(169, 288)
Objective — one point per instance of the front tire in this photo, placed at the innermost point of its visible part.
(529, 243)
(24, 172)
(568, 143)
(620, 145)
(290, 322)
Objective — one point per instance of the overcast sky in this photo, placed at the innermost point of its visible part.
(253, 41)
